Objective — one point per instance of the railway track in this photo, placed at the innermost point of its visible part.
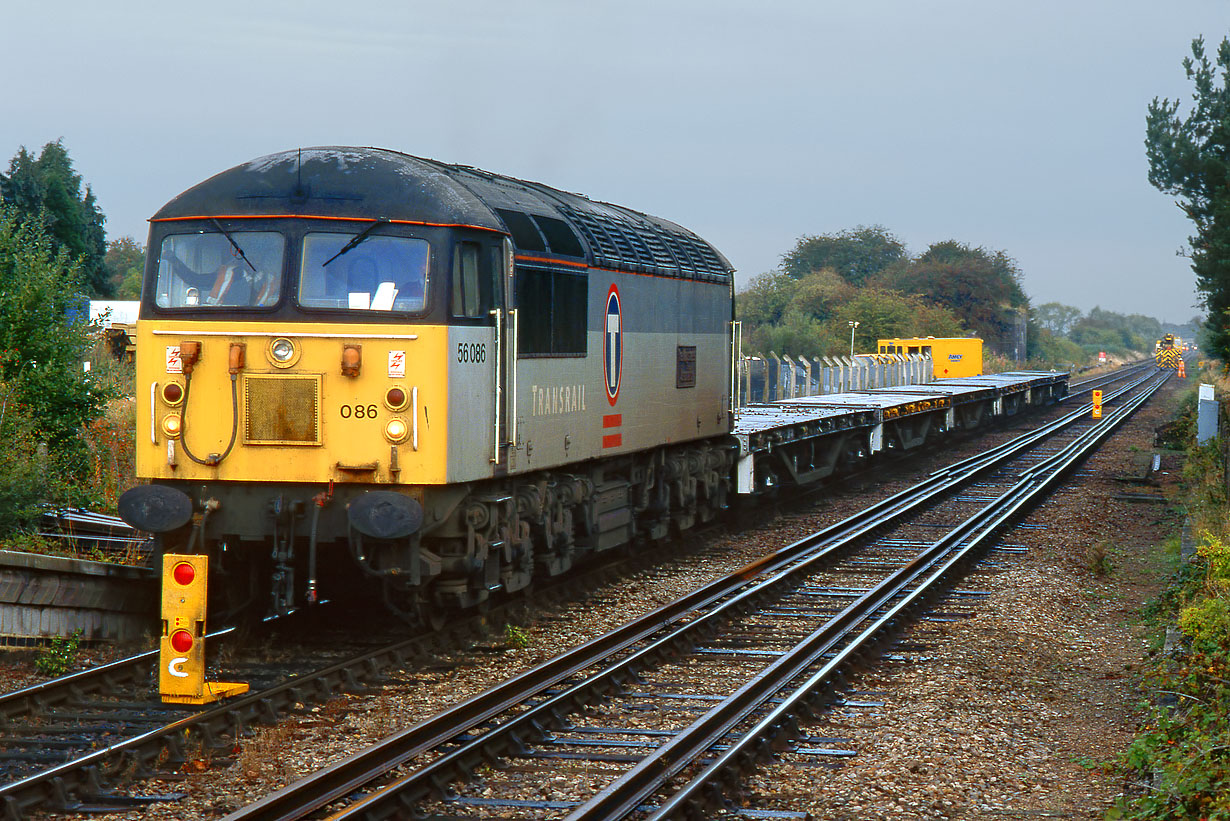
(63, 741)
(726, 673)
(73, 744)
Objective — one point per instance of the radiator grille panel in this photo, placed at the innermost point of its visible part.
(281, 410)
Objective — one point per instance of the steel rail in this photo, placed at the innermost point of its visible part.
(39, 696)
(57, 785)
(1114, 376)
(954, 549)
(347, 775)
(1046, 430)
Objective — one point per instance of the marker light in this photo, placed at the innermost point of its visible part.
(352, 360)
(183, 573)
(172, 393)
(396, 430)
(395, 398)
(171, 425)
(181, 641)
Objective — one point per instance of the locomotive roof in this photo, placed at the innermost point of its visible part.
(377, 183)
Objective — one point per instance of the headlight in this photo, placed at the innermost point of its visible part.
(396, 430)
(171, 425)
(282, 352)
(282, 349)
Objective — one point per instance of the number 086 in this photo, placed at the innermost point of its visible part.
(359, 411)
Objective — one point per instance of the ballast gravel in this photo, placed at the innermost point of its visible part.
(1006, 713)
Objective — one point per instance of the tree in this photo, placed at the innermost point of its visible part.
(1104, 330)
(1056, 317)
(125, 263)
(1189, 158)
(885, 314)
(982, 288)
(47, 188)
(43, 335)
(855, 254)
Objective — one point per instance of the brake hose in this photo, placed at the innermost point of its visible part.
(212, 459)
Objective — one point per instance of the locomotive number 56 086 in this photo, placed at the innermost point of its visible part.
(472, 352)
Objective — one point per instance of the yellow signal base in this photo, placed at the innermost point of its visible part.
(181, 678)
(213, 691)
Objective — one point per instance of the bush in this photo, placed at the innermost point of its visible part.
(59, 655)
(1206, 623)
(46, 398)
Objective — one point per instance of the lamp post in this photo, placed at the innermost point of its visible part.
(853, 324)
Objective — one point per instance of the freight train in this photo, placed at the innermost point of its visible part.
(363, 371)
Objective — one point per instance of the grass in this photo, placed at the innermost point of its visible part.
(55, 660)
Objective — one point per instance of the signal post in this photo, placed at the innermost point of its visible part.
(1097, 404)
(181, 665)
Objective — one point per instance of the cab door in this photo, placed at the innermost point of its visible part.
(505, 322)
(478, 368)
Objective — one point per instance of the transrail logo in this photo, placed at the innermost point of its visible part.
(613, 346)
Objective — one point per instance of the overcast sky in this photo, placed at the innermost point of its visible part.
(1014, 126)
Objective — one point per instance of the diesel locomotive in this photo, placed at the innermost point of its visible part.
(359, 370)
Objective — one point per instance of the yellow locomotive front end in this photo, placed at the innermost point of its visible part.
(296, 380)
(301, 359)
(319, 402)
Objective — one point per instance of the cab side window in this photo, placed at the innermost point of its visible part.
(467, 301)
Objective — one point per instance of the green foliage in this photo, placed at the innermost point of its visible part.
(57, 657)
(515, 637)
(41, 345)
(125, 263)
(1217, 554)
(46, 189)
(811, 316)
(1051, 350)
(1056, 317)
(1108, 331)
(855, 253)
(1189, 159)
(1185, 750)
(1206, 623)
(1182, 750)
(982, 288)
(45, 397)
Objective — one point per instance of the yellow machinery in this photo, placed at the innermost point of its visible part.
(1166, 353)
(950, 357)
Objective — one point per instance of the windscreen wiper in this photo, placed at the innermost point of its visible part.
(234, 244)
(356, 240)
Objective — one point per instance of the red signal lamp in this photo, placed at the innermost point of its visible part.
(183, 573)
(181, 641)
(395, 398)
